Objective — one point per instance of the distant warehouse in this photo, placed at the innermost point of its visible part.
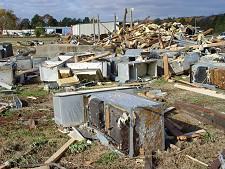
(59, 30)
(88, 28)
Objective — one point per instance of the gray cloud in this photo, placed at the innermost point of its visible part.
(106, 8)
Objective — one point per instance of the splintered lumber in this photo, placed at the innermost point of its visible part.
(207, 45)
(194, 134)
(166, 67)
(204, 33)
(203, 114)
(174, 130)
(57, 155)
(194, 159)
(144, 20)
(201, 91)
(96, 57)
(216, 164)
(168, 109)
(77, 57)
(171, 39)
(161, 42)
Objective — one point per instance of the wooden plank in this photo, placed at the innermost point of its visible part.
(201, 91)
(161, 42)
(194, 159)
(175, 124)
(96, 57)
(77, 57)
(204, 33)
(168, 109)
(57, 155)
(166, 67)
(174, 131)
(184, 82)
(107, 119)
(197, 133)
(216, 164)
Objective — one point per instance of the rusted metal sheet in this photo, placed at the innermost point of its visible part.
(203, 114)
(217, 77)
(216, 164)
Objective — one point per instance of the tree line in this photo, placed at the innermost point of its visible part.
(8, 20)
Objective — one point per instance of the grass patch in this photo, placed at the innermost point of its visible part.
(161, 80)
(79, 147)
(208, 137)
(108, 158)
(40, 142)
(194, 100)
(24, 92)
(6, 113)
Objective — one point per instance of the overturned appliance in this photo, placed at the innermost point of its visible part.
(49, 69)
(137, 70)
(209, 73)
(7, 72)
(132, 124)
(6, 50)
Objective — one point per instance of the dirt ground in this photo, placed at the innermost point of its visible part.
(24, 143)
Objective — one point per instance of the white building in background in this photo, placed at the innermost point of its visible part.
(88, 28)
(17, 32)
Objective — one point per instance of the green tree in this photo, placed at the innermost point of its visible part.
(52, 22)
(7, 19)
(158, 21)
(35, 20)
(25, 24)
(183, 21)
(39, 30)
(86, 20)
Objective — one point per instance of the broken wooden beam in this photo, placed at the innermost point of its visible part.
(167, 74)
(174, 130)
(161, 42)
(203, 114)
(96, 57)
(175, 124)
(201, 91)
(187, 83)
(168, 109)
(57, 155)
(195, 134)
(204, 33)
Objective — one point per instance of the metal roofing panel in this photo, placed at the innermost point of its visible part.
(125, 100)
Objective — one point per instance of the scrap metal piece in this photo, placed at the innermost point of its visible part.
(222, 161)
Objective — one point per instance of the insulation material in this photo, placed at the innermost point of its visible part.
(217, 77)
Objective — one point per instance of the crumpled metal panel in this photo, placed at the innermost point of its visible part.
(127, 101)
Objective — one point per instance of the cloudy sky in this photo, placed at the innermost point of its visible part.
(106, 8)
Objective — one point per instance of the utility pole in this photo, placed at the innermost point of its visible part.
(98, 29)
(195, 27)
(114, 22)
(94, 26)
(131, 17)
